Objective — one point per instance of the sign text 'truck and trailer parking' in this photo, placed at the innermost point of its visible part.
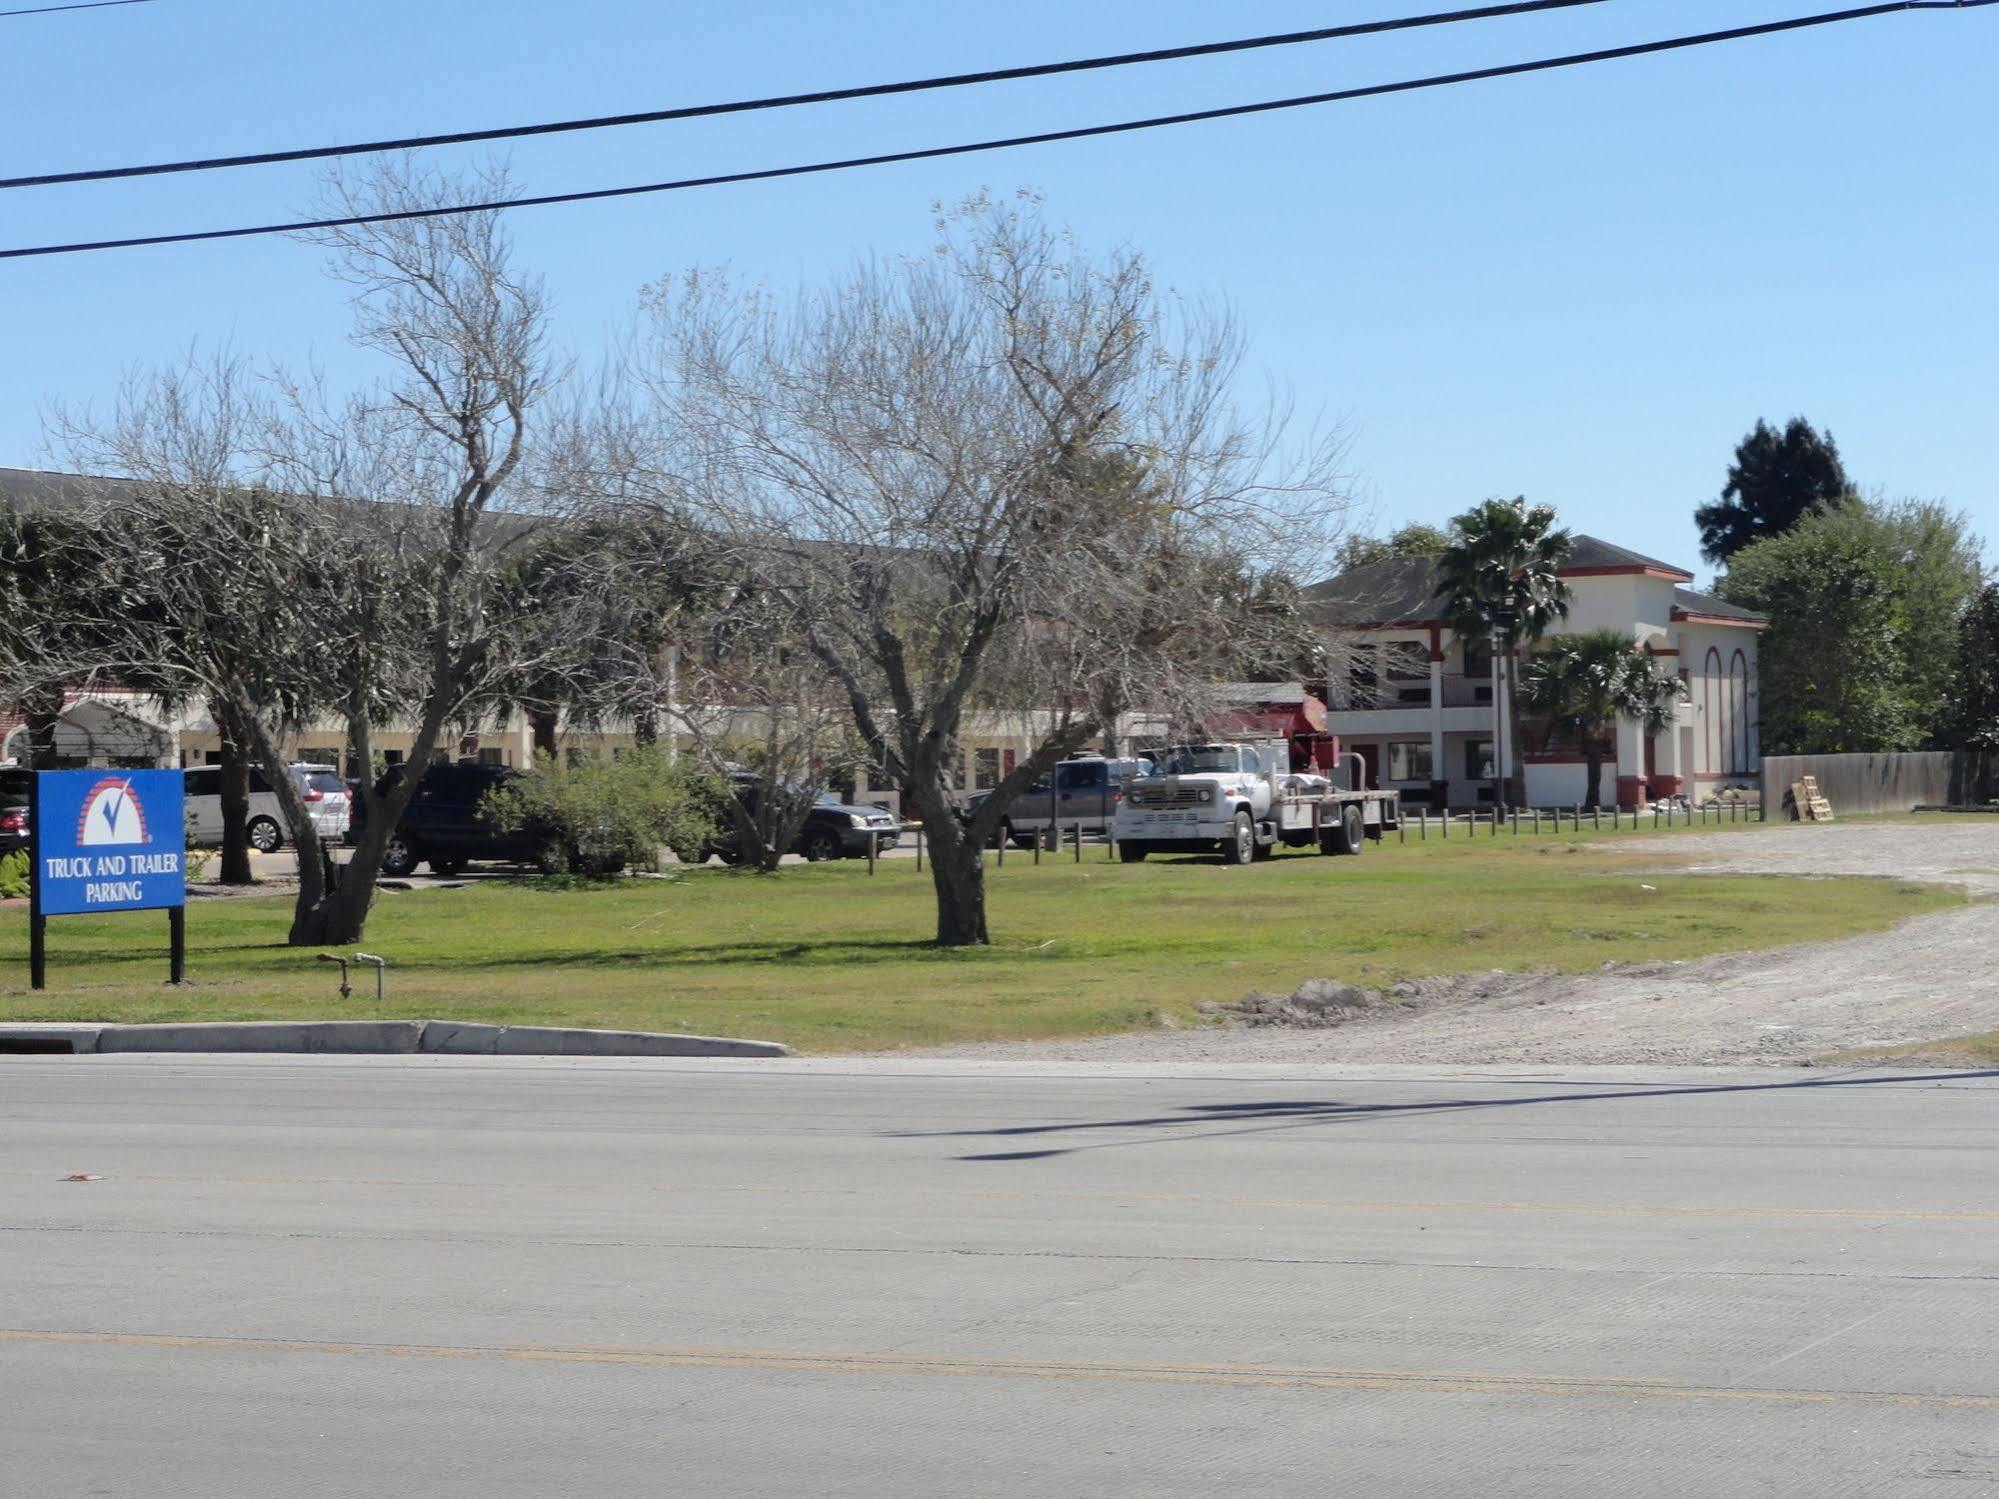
(107, 840)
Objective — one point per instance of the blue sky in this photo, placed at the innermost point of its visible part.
(1582, 286)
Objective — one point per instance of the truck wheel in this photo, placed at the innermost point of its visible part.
(1349, 837)
(819, 845)
(1131, 853)
(1240, 848)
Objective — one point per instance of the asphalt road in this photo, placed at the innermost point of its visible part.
(309, 1276)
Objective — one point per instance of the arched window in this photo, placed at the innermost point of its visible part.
(1738, 710)
(1714, 699)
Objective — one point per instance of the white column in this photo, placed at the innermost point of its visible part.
(1439, 771)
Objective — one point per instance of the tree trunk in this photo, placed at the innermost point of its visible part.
(233, 782)
(541, 724)
(645, 727)
(340, 915)
(41, 710)
(957, 872)
(1594, 788)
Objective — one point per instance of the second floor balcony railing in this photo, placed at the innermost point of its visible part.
(1459, 692)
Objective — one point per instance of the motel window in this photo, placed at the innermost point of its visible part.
(1478, 658)
(1479, 764)
(1406, 661)
(985, 769)
(492, 757)
(1409, 760)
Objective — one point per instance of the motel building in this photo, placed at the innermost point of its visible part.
(1418, 704)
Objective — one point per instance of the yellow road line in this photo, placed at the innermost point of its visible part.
(909, 1365)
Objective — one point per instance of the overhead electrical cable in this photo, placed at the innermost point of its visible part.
(43, 10)
(1440, 80)
(790, 101)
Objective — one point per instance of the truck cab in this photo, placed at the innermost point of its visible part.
(1205, 797)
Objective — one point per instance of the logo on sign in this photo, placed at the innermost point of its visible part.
(112, 814)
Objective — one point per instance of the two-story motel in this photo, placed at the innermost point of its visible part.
(1419, 706)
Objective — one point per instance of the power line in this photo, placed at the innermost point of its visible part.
(43, 10)
(788, 101)
(1539, 65)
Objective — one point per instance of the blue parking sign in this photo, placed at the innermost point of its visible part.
(108, 840)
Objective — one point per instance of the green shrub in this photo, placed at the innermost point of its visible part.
(14, 875)
(601, 815)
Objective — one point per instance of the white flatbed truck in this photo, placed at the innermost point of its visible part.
(1241, 799)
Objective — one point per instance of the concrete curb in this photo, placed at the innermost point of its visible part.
(373, 1038)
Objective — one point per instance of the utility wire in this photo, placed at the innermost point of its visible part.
(43, 10)
(1539, 65)
(788, 101)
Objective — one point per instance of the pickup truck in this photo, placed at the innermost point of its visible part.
(1242, 799)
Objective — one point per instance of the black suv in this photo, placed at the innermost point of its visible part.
(445, 825)
(832, 829)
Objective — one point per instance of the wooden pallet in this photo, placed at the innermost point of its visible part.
(1808, 803)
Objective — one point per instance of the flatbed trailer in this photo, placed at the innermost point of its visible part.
(1338, 821)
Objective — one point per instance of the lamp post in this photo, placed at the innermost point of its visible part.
(1501, 619)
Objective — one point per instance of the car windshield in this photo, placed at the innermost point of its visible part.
(323, 781)
(1198, 759)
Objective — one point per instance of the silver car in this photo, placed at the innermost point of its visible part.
(325, 794)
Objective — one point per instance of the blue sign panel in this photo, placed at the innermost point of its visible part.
(108, 840)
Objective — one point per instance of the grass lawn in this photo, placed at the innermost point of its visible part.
(1953, 1051)
(828, 959)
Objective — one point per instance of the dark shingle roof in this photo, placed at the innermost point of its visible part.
(1398, 588)
(1707, 603)
(1591, 551)
(1403, 589)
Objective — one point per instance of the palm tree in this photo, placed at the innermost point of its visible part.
(1583, 684)
(1498, 577)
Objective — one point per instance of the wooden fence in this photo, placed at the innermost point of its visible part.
(1881, 783)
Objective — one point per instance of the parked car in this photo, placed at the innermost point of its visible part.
(17, 789)
(832, 828)
(325, 795)
(1080, 793)
(445, 825)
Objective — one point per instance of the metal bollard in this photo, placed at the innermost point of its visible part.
(871, 852)
(1079, 842)
(1422, 824)
(1535, 813)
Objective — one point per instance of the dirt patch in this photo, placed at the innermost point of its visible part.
(1931, 977)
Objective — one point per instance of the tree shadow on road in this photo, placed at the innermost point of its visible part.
(1264, 1116)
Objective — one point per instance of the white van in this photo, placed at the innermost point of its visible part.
(325, 794)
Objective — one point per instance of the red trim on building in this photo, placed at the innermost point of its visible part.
(1686, 616)
(1666, 785)
(1436, 642)
(1631, 791)
(1625, 570)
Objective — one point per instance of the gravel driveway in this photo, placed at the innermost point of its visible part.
(1931, 977)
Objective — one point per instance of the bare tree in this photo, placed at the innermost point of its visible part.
(375, 526)
(761, 713)
(1005, 480)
